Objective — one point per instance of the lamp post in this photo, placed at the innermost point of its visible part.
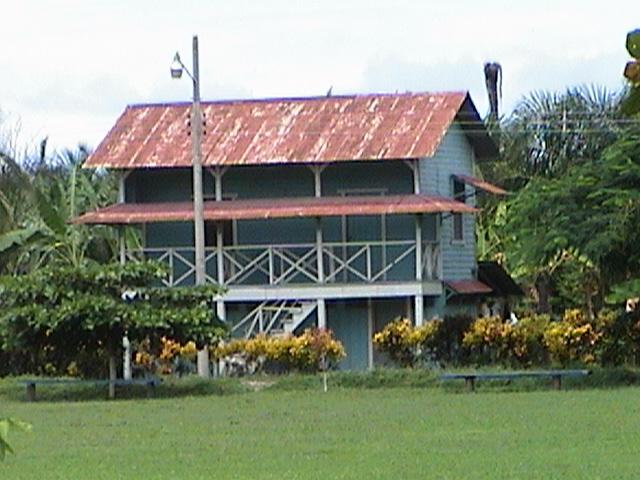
(177, 67)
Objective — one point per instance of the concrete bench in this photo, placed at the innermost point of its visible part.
(31, 383)
(556, 375)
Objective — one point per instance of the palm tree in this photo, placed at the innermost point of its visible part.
(547, 133)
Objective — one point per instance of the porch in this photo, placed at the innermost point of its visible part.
(302, 264)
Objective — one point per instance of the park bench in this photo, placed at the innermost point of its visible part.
(556, 375)
(31, 383)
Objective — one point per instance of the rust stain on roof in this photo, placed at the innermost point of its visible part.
(134, 213)
(271, 131)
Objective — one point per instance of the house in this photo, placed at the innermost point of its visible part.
(343, 212)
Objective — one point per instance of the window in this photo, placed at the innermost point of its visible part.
(458, 226)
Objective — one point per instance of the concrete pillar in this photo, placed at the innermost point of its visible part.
(370, 332)
(126, 359)
(418, 308)
(322, 313)
(202, 363)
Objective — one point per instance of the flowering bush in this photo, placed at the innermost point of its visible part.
(314, 350)
(173, 357)
(526, 342)
(490, 340)
(404, 343)
(574, 338)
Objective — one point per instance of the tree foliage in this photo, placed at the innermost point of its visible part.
(56, 313)
(586, 218)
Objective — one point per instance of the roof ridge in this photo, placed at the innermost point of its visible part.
(298, 99)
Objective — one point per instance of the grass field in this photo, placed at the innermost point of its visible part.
(393, 433)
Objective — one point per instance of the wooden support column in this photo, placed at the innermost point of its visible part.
(121, 199)
(321, 303)
(322, 307)
(418, 299)
(416, 176)
(370, 333)
(126, 344)
(220, 307)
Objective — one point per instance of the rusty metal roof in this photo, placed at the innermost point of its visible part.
(291, 130)
(481, 184)
(134, 213)
(468, 287)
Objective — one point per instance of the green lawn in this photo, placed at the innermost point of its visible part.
(397, 433)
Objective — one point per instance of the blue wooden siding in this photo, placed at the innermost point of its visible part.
(349, 322)
(454, 156)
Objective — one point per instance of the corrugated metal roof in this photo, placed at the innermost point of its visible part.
(481, 184)
(133, 213)
(468, 287)
(295, 130)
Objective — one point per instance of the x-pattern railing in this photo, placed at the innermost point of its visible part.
(368, 262)
(180, 267)
(275, 264)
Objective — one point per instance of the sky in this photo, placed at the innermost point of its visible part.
(69, 67)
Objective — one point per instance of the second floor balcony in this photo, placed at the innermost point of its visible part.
(364, 262)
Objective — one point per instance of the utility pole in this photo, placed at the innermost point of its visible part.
(198, 203)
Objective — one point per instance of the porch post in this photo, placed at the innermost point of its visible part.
(418, 299)
(126, 344)
(370, 332)
(121, 199)
(220, 306)
(322, 306)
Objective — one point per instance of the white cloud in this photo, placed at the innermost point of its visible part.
(70, 66)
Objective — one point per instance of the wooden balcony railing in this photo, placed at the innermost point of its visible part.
(342, 262)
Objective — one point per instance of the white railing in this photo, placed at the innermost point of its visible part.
(274, 318)
(180, 262)
(342, 262)
(369, 261)
(270, 264)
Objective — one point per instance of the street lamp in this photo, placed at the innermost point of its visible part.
(177, 67)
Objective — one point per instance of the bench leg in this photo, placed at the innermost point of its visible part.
(557, 382)
(31, 392)
(470, 383)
